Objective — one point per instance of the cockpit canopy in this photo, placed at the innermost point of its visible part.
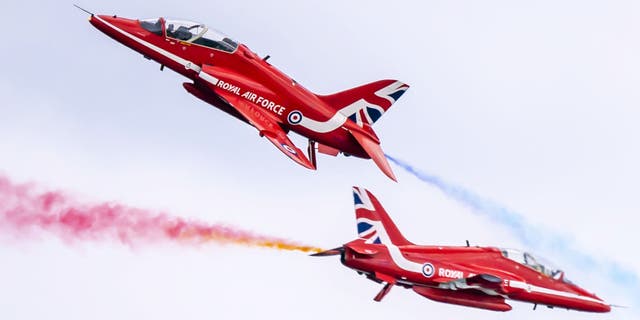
(528, 260)
(191, 32)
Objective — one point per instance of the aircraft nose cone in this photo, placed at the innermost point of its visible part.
(603, 308)
(123, 23)
(600, 306)
(115, 27)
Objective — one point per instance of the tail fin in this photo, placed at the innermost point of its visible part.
(366, 104)
(374, 225)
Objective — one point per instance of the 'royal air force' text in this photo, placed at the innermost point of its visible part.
(250, 96)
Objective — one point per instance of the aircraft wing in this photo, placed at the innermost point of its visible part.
(482, 291)
(268, 127)
(487, 283)
(469, 298)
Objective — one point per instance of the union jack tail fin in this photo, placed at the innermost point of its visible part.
(374, 224)
(365, 104)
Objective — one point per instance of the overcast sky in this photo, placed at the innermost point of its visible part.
(531, 104)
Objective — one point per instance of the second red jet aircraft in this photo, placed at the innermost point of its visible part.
(480, 277)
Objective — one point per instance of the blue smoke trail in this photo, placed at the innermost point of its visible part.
(531, 236)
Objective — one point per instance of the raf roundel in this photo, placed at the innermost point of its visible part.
(295, 117)
(428, 270)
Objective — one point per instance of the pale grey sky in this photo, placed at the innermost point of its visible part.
(534, 105)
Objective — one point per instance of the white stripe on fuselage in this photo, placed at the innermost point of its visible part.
(533, 288)
(333, 123)
(336, 121)
(186, 63)
(394, 251)
(208, 78)
(408, 265)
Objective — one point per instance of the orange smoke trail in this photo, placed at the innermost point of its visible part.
(24, 210)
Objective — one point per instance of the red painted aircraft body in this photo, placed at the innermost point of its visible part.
(231, 77)
(480, 277)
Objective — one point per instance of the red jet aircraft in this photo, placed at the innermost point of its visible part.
(234, 79)
(479, 277)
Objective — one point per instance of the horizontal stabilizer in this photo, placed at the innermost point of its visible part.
(373, 149)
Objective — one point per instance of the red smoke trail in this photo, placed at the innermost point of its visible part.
(24, 210)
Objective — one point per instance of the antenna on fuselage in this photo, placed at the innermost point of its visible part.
(266, 58)
(467, 243)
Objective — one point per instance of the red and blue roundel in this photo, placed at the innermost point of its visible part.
(428, 270)
(295, 117)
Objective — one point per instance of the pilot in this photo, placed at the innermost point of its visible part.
(183, 33)
(531, 262)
